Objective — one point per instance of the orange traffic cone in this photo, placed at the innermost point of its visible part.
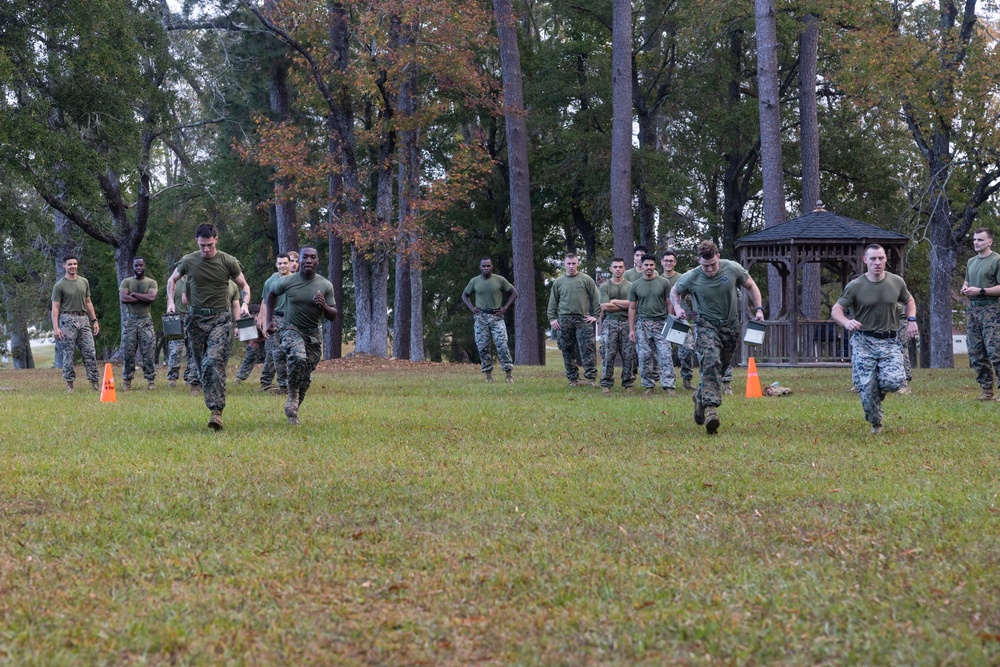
(753, 381)
(108, 388)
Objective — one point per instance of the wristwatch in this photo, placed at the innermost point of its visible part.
(982, 291)
(911, 319)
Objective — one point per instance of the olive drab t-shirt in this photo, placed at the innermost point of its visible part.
(650, 298)
(71, 295)
(179, 289)
(279, 306)
(874, 304)
(488, 294)
(633, 275)
(609, 292)
(232, 294)
(300, 311)
(208, 279)
(716, 297)
(144, 286)
(575, 295)
(983, 272)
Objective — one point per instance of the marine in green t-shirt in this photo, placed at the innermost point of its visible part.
(209, 324)
(876, 353)
(713, 287)
(74, 322)
(484, 297)
(309, 300)
(138, 335)
(572, 311)
(982, 318)
(612, 296)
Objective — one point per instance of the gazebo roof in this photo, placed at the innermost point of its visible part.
(821, 226)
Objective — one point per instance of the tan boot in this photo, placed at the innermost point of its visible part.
(215, 423)
(727, 389)
(987, 394)
(292, 406)
(151, 386)
(687, 385)
(126, 385)
(489, 378)
(69, 387)
(669, 391)
(508, 378)
(905, 389)
(172, 384)
(711, 420)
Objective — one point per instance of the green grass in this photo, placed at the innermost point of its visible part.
(419, 516)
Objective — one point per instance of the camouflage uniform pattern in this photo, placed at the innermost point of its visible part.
(983, 337)
(255, 355)
(715, 345)
(877, 369)
(211, 344)
(174, 362)
(138, 334)
(272, 349)
(492, 326)
(77, 334)
(302, 353)
(615, 341)
(685, 356)
(654, 349)
(576, 341)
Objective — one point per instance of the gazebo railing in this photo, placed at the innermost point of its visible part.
(816, 343)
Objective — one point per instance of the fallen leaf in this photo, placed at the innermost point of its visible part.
(834, 490)
(357, 535)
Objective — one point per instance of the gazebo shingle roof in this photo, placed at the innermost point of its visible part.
(821, 226)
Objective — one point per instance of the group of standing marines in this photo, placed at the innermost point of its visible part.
(209, 287)
(632, 307)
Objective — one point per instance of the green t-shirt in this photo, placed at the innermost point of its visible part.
(716, 297)
(633, 275)
(71, 294)
(488, 294)
(874, 304)
(269, 284)
(672, 279)
(650, 298)
(609, 292)
(232, 294)
(573, 296)
(300, 311)
(179, 288)
(983, 272)
(144, 286)
(208, 279)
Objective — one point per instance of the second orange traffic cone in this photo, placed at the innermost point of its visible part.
(108, 386)
(753, 381)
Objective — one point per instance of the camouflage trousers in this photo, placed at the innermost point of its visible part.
(685, 356)
(576, 342)
(877, 369)
(983, 337)
(272, 352)
(255, 355)
(174, 361)
(138, 334)
(715, 345)
(654, 348)
(77, 335)
(614, 341)
(904, 340)
(491, 326)
(302, 353)
(211, 344)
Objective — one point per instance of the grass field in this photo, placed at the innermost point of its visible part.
(420, 517)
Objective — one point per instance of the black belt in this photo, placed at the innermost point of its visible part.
(134, 316)
(982, 302)
(74, 312)
(279, 313)
(209, 311)
(488, 311)
(880, 335)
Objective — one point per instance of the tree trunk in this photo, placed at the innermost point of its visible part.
(809, 133)
(647, 212)
(526, 337)
(621, 128)
(284, 209)
(334, 331)
(768, 88)
(741, 161)
(20, 343)
(402, 300)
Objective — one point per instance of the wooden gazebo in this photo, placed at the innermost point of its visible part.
(831, 240)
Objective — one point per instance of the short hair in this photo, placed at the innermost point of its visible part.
(873, 246)
(985, 230)
(707, 250)
(282, 254)
(206, 230)
(69, 257)
(485, 258)
(293, 252)
(139, 257)
(617, 259)
(254, 308)
(570, 255)
(670, 252)
(640, 248)
(307, 247)
(648, 258)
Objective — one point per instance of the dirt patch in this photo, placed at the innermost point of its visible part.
(356, 362)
